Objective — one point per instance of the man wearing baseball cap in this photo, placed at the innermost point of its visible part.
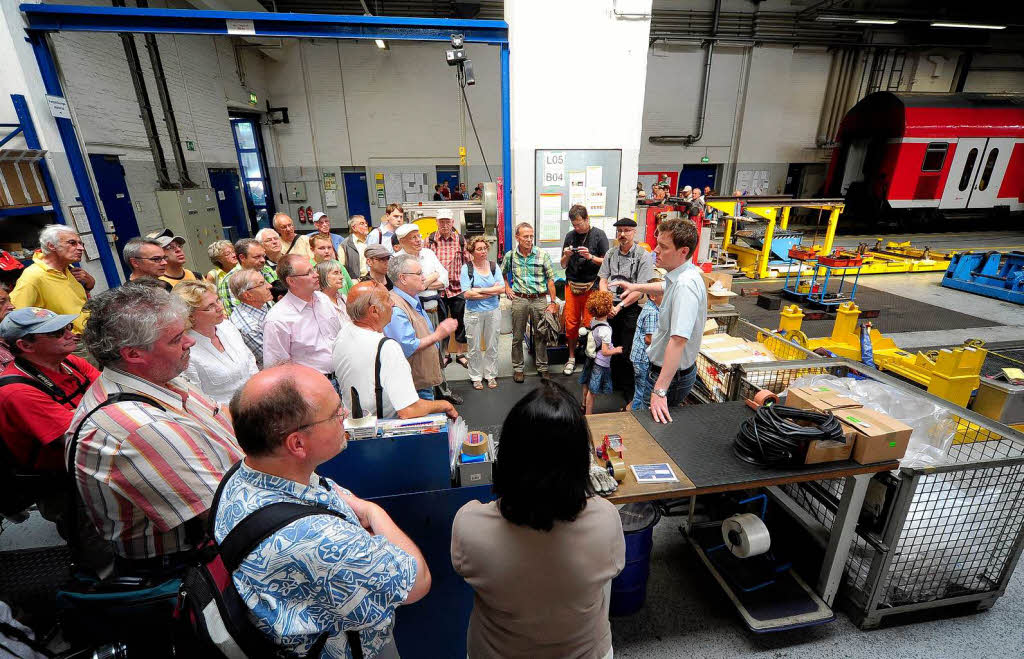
(377, 257)
(40, 389)
(175, 271)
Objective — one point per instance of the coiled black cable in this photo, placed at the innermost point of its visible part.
(778, 435)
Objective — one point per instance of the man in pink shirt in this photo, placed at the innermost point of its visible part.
(303, 325)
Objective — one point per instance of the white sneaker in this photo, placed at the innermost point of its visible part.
(569, 367)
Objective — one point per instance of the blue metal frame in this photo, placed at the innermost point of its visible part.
(76, 159)
(27, 130)
(76, 18)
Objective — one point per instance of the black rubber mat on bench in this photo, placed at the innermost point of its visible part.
(29, 579)
(897, 313)
(700, 439)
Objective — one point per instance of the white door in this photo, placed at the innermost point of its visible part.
(991, 169)
(967, 159)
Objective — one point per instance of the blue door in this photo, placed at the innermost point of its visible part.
(115, 199)
(357, 198)
(229, 199)
(701, 176)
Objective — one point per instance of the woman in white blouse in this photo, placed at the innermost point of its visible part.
(220, 362)
(334, 283)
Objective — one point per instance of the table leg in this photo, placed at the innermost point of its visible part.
(843, 529)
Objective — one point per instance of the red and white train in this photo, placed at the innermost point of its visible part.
(930, 154)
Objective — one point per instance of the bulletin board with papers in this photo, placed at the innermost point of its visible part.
(575, 176)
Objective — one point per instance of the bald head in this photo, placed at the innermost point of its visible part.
(273, 404)
(369, 305)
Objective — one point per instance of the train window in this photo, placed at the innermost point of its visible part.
(934, 156)
(990, 164)
(965, 178)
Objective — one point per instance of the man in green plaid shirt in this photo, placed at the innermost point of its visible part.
(530, 284)
(250, 255)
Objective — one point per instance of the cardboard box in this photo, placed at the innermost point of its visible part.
(710, 279)
(819, 451)
(819, 399)
(879, 437)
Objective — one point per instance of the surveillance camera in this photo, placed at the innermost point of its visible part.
(458, 40)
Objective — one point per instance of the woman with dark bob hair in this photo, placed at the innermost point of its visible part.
(542, 556)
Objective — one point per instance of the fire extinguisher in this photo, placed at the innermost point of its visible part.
(302, 215)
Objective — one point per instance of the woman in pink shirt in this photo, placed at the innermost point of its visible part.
(542, 556)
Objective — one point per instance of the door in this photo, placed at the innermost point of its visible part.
(447, 174)
(228, 187)
(991, 169)
(698, 176)
(967, 159)
(117, 203)
(356, 196)
(252, 163)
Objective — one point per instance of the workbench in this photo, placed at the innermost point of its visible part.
(697, 445)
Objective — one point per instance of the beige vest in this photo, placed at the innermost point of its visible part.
(426, 364)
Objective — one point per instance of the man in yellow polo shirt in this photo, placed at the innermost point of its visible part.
(50, 282)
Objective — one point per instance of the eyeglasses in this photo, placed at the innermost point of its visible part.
(304, 274)
(74, 243)
(154, 259)
(56, 334)
(340, 414)
(415, 274)
(210, 307)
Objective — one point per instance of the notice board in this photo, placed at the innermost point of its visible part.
(569, 176)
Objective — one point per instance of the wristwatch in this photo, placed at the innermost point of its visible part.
(660, 393)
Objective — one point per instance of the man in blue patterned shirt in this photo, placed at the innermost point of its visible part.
(646, 325)
(320, 573)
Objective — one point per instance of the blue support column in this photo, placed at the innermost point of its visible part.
(79, 170)
(506, 144)
(28, 130)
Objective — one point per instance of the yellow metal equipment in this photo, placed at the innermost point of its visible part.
(898, 257)
(948, 374)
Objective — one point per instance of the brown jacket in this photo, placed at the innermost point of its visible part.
(426, 364)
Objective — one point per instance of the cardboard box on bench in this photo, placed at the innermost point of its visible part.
(819, 399)
(879, 437)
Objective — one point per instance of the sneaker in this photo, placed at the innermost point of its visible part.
(519, 377)
(544, 375)
(570, 366)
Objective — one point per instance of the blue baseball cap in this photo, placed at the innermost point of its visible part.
(33, 320)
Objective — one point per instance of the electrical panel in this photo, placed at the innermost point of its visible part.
(192, 214)
(296, 191)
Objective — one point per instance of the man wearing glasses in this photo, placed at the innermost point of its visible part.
(146, 258)
(303, 325)
(356, 565)
(51, 282)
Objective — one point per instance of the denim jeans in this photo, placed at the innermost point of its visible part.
(642, 393)
(426, 394)
(678, 390)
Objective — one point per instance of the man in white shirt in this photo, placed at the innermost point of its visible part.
(435, 279)
(303, 325)
(355, 360)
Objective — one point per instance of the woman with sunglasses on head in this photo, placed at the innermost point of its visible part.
(220, 362)
(542, 556)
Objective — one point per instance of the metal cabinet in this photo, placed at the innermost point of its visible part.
(193, 215)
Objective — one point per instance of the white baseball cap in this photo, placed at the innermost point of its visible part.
(444, 214)
(405, 230)
(317, 216)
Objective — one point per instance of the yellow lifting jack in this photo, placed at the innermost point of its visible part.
(950, 374)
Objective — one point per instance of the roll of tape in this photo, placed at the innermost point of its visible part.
(475, 443)
(746, 535)
(765, 397)
(617, 469)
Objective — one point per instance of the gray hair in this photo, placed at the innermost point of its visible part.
(49, 237)
(324, 268)
(244, 280)
(216, 249)
(130, 316)
(398, 265)
(262, 233)
(273, 220)
(286, 266)
(133, 248)
(359, 306)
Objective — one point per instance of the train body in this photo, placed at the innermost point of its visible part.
(930, 155)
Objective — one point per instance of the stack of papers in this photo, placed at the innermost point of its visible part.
(432, 423)
(365, 428)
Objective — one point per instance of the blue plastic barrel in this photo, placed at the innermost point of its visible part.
(629, 589)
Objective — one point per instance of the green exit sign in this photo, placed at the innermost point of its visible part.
(705, 159)
(253, 99)
(190, 145)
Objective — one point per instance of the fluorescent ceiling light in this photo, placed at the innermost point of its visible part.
(876, 21)
(833, 17)
(380, 44)
(976, 26)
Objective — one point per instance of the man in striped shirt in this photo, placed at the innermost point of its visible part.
(530, 284)
(147, 470)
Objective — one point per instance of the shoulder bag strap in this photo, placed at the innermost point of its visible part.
(378, 389)
(119, 397)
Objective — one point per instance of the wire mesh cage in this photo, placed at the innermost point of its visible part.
(927, 537)
(717, 365)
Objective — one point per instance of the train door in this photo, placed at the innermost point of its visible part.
(991, 169)
(967, 158)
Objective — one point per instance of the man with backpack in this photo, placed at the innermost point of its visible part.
(330, 584)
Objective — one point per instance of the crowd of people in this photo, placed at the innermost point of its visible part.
(149, 393)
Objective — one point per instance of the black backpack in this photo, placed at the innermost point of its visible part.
(472, 272)
(210, 606)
